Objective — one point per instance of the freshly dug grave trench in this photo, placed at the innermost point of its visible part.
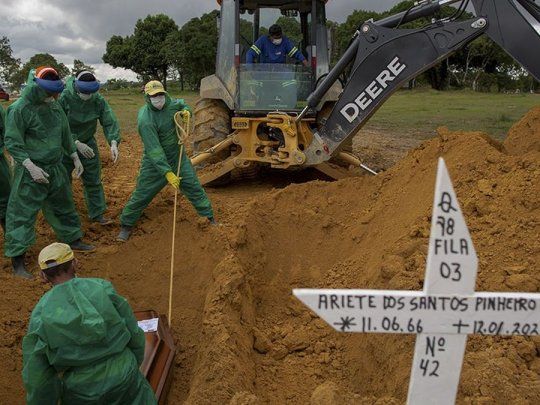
(243, 339)
(371, 233)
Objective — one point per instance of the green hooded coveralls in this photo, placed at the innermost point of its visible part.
(5, 176)
(161, 150)
(82, 117)
(83, 346)
(39, 131)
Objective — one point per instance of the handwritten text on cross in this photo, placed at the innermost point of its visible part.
(443, 314)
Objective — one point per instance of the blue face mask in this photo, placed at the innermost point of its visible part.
(277, 41)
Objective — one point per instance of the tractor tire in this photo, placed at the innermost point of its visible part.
(212, 124)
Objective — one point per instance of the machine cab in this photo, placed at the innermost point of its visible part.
(261, 87)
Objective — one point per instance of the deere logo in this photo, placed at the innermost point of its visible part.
(373, 90)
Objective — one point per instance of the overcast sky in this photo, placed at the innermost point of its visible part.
(79, 29)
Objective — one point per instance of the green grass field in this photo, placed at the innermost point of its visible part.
(126, 104)
(417, 113)
(421, 111)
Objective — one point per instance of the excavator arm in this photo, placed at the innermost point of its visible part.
(382, 59)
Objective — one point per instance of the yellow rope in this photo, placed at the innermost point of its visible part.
(182, 132)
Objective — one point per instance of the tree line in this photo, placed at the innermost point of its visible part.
(159, 49)
(15, 73)
(481, 66)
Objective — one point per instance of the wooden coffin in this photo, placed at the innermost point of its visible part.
(159, 353)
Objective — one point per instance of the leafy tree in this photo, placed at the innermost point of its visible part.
(144, 52)
(345, 31)
(174, 51)
(194, 49)
(118, 52)
(8, 63)
(526, 82)
(438, 76)
(482, 57)
(291, 28)
(40, 59)
(79, 65)
(333, 50)
(246, 33)
(465, 68)
(116, 84)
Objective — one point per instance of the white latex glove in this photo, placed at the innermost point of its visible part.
(85, 150)
(114, 151)
(38, 174)
(79, 169)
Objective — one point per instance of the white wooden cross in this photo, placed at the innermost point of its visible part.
(443, 314)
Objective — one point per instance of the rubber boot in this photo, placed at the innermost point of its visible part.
(19, 268)
(80, 246)
(102, 220)
(125, 233)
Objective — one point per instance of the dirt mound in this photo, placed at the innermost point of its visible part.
(524, 136)
(373, 233)
(243, 338)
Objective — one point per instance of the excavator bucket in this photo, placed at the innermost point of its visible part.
(515, 26)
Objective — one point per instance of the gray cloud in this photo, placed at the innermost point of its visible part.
(73, 29)
(79, 29)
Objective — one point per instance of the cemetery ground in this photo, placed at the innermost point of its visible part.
(405, 120)
(243, 338)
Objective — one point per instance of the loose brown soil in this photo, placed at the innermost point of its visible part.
(243, 339)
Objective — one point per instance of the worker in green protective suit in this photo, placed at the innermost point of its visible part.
(37, 136)
(5, 176)
(160, 160)
(84, 106)
(83, 344)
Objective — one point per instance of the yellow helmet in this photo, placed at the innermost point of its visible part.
(153, 87)
(55, 254)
